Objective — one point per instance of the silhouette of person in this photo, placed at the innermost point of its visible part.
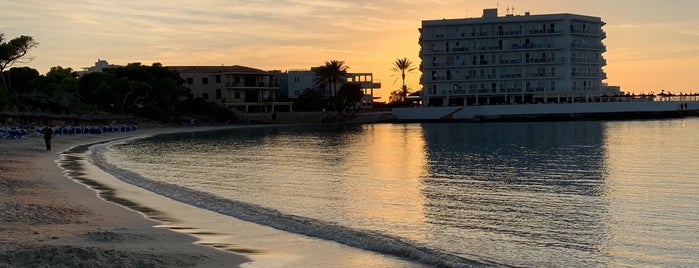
(48, 134)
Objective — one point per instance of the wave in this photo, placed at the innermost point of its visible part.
(353, 237)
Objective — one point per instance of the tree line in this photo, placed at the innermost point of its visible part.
(153, 92)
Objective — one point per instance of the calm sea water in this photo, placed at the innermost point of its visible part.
(521, 194)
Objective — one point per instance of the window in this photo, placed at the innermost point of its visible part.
(218, 93)
(237, 95)
(218, 79)
(190, 80)
(205, 96)
(204, 80)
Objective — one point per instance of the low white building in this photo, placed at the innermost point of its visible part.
(100, 65)
(300, 80)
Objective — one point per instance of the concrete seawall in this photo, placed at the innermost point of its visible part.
(316, 117)
(544, 112)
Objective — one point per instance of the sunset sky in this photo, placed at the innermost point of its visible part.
(651, 44)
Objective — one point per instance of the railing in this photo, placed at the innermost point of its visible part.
(593, 61)
(594, 74)
(488, 34)
(589, 46)
(547, 31)
(530, 46)
(589, 32)
(254, 85)
(242, 101)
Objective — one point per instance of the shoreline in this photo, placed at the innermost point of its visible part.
(165, 238)
(48, 219)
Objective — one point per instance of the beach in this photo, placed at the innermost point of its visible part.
(50, 217)
(49, 220)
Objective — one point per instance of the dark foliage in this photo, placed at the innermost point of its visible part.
(153, 92)
(310, 100)
(207, 111)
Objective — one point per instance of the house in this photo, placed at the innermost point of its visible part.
(241, 88)
(100, 65)
(299, 80)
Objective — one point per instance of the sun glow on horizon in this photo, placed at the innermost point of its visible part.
(650, 49)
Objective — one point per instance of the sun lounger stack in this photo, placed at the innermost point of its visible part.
(13, 133)
(78, 130)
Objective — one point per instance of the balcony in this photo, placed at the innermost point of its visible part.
(594, 75)
(242, 85)
(599, 47)
(589, 61)
(544, 32)
(530, 46)
(589, 32)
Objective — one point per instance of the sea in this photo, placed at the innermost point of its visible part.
(520, 194)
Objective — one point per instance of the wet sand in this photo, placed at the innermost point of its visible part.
(48, 220)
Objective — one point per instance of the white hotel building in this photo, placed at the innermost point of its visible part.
(512, 59)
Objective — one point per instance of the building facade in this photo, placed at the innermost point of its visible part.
(100, 65)
(236, 87)
(512, 59)
(300, 80)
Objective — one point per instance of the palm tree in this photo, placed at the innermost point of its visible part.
(403, 66)
(332, 73)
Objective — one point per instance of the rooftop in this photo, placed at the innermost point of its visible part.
(491, 16)
(217, 69)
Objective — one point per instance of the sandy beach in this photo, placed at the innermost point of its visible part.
(48, 220)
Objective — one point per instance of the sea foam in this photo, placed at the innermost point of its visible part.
(358, 238)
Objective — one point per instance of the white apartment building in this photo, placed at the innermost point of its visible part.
(299, 80)
(512, 59)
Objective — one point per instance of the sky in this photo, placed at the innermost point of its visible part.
(652, 45)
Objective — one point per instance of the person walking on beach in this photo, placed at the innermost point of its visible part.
(48, 134)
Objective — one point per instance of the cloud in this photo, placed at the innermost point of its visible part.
(690, 32)
(622, 26)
